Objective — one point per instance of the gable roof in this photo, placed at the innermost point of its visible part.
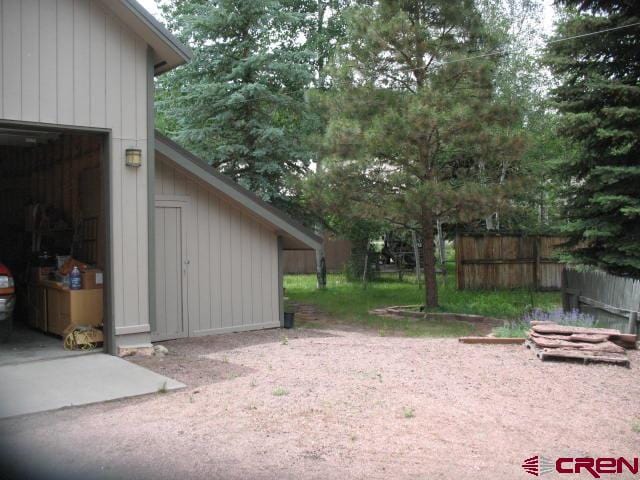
(295, 235)
(169, 52)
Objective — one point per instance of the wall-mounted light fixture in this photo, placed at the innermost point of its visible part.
(133, 157)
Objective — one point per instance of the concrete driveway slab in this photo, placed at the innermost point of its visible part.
(28, 345)
(51, 384)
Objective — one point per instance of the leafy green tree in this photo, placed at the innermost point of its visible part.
(417, 134)
(535, 196)
(599, 98)
(240, 103)
(514, 26)
(324, 29)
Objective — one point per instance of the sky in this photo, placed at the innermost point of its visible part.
(151, 7)
(548, 14)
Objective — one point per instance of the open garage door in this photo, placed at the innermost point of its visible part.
(53, 241)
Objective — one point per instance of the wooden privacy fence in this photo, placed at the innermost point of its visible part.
(337, 253)
(491, 261)
(612, 300)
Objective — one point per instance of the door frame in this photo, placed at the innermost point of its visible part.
(181, 202)
(106, 164)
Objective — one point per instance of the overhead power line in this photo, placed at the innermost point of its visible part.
(457, 60)
(506, 52)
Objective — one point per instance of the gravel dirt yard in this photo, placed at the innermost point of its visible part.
(338, 404)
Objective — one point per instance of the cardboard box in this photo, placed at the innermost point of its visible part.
(79, 307)
(92, 279)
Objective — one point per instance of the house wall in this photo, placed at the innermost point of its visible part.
(232, 281)
(72, 63)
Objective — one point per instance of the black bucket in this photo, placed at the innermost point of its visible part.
(288, 319)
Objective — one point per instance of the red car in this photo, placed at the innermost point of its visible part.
(7, 300)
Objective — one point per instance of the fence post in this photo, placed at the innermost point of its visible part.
(536, 265)
(633, 322)
(459, 268)
(566, 305)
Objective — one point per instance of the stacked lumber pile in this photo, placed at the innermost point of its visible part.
(553, 342)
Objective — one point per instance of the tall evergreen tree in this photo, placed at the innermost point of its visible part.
(599, 98)
(240, 102)
(417, 134)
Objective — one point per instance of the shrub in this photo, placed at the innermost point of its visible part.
(519, 328)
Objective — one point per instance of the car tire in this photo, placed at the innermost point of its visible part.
(5, 329)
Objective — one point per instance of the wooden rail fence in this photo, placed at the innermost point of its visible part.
(491, 261)
(614, 301)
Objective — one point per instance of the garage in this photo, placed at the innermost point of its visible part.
(219, 250)
(82, 72)
(53, 240)
(169, 246)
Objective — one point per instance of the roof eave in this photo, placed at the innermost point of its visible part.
(170, 52)
(284, 225)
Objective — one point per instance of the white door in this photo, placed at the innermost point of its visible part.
(171, 271)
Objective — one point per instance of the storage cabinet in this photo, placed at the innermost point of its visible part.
(53, 308)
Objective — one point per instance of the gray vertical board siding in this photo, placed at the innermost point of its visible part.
(204, 251)
(172, 317)
(233, 272)
(107, 172)
(30, 18)
(172, 274)
(64, 65)
(280, 282)
(98, 63)
(81, 62)
(48, 61)
(215, 256)
(151, 186)
(142, 237)
(161, 305)
(2, 47)
(11, 60)
(74, 63)
(226, 241)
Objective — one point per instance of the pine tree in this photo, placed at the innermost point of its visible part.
(599, 98)
(417, 133)
(240, 102)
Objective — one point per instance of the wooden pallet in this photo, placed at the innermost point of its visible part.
(585, 357)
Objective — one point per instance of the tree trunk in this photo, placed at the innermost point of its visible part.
(321, 267)
(429, 260)
(416, 255)
(321, 264)
(489, 222)
(441, 244)
(366, 265)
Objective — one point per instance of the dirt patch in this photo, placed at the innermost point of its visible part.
(335, 404)
(481, 324)
(189, 361)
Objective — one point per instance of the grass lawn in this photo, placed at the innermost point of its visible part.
(349, 302)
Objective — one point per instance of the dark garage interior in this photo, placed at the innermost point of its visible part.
(52, 241)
